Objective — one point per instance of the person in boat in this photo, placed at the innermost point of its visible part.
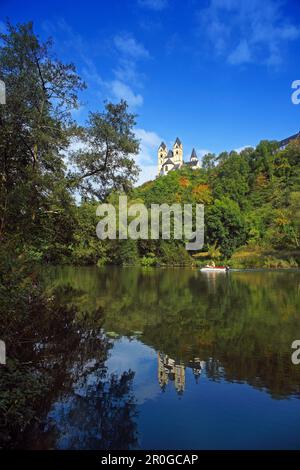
(212, 265)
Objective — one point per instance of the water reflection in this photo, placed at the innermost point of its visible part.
(242, 325)
(99, 413)
(171, 370)
(165, 331)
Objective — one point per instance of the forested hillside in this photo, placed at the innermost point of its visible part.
(252, 203)
(252, 208)
(252, 213)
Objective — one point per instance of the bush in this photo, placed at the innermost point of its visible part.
(175, 255)
(149, 260)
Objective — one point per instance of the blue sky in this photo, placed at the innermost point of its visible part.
(216, 73)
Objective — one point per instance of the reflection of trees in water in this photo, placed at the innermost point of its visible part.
(97, 415)
(243, 324)
(91, 410)
(57, 355)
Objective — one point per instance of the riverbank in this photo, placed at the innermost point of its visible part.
(243, 258)
(256, 257)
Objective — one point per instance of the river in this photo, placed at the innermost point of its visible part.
(181, 360)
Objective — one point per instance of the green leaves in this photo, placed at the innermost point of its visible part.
(107, 161)
(34, 129)
(225, 224)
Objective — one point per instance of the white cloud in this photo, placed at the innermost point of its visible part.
(120, 82)
(91, 74)
(149, 139)
(122, 91)
(157, 5)
(244, 31)
(241, 54)
(201, 152)
(149, 143)
(128, 46)
(75, 145)
(117, 89)
(148, 173)
(130, 52)
(240, 149)
(66, 37)
(77, 112)
(126, 71)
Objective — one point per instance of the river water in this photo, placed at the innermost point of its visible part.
(181, 360)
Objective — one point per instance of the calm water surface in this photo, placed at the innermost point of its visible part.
(175, 359)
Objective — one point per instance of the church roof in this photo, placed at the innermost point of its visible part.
(170, 154)
(168, 162)
(163, 145)
(194, 155)
(286, 141)
(178, 141)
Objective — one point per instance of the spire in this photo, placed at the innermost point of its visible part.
(177, 141)
(194, 155)
(163, 145)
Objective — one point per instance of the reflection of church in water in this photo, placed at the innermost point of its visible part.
(169, 369)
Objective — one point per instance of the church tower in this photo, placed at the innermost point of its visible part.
(178, 152)
(194, 162)
(161, 155)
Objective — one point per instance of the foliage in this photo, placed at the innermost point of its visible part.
(225, 225)
(128, 252)
(52, 345)
(106, 162)
(149, 260)
(174, 254)
(35, 127)
(37, 207)
(251, 198)
(86, 248)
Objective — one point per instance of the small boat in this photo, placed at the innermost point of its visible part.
(214, 269)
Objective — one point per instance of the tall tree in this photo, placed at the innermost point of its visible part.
(35, 126)
(107, 160)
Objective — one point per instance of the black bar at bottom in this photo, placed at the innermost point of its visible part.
(136, 458)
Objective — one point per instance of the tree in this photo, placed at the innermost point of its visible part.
(86, 247)
(262, 157)
(230, 178)
(35, 126)
(106, 163)
(213, 251)
(225, 225)
(209, 161)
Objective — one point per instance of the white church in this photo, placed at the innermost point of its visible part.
(169, 160)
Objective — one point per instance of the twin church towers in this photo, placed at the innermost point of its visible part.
(173, 159)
